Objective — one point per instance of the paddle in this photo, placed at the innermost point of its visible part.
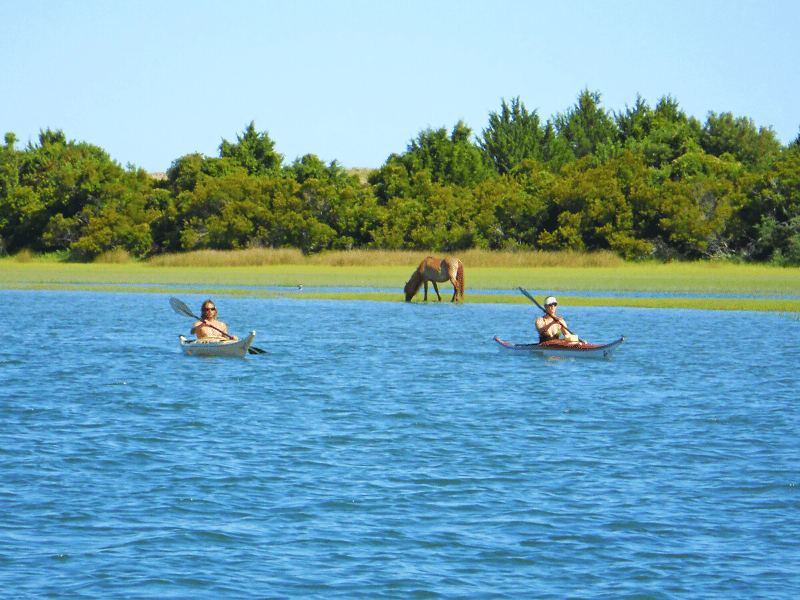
(564, 327)
(180, 308)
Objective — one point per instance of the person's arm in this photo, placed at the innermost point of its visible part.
(540, 324)
(544, 323)
(224, 328)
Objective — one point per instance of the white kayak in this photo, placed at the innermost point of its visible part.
(563, 348)
(214, 346)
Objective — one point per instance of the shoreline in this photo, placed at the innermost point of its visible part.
(691, 286)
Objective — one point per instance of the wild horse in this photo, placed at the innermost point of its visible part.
(437, 270)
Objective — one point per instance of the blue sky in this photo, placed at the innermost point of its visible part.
(355, 81)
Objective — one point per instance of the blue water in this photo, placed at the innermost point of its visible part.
(390, 450)
(473, 292)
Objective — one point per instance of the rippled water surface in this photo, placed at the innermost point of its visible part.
(388, 450)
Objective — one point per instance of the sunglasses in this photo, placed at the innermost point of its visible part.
(209, 308)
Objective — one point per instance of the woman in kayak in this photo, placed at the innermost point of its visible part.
(550, 326)
(210, 326)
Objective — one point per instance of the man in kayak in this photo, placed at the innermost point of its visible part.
(210, 326)
(550, 326)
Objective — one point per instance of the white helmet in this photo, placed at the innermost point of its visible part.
(550, 300)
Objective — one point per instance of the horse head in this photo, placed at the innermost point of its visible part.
(413, 285)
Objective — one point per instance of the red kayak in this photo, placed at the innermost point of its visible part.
(564, 348)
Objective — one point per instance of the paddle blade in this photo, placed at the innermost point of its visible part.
(180, 308)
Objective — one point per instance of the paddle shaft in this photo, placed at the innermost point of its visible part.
(564, 327)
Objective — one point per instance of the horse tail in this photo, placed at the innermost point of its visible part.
(460, 279)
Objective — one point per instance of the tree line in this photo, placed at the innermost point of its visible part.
(645, 182)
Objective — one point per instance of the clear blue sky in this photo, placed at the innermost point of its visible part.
(151, 81)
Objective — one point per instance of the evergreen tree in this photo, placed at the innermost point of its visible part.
(450, 160)
(54, 180)
(513, 135)
(311, 167)
(254, 151)
(794, 145)
(586, 129)
(755, 148)
(661, 135)
(635, 123)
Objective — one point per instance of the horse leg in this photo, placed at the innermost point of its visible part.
(436, 287)
(426, 290)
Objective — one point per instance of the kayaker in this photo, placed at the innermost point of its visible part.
(210, 326)
(550, 326)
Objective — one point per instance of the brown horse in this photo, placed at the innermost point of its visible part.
(437, 270)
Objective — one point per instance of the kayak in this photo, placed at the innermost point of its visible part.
(214, 346)
(563, 348)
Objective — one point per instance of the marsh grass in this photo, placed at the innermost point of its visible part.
(254, 272)
(258, 257)
(252, 257)
(117, 256)
(24, 256)
(28, 256)
(536, 259)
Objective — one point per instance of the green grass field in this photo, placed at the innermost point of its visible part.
(562, 274)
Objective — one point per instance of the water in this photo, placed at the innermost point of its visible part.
(472, 292)
(388, 450)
